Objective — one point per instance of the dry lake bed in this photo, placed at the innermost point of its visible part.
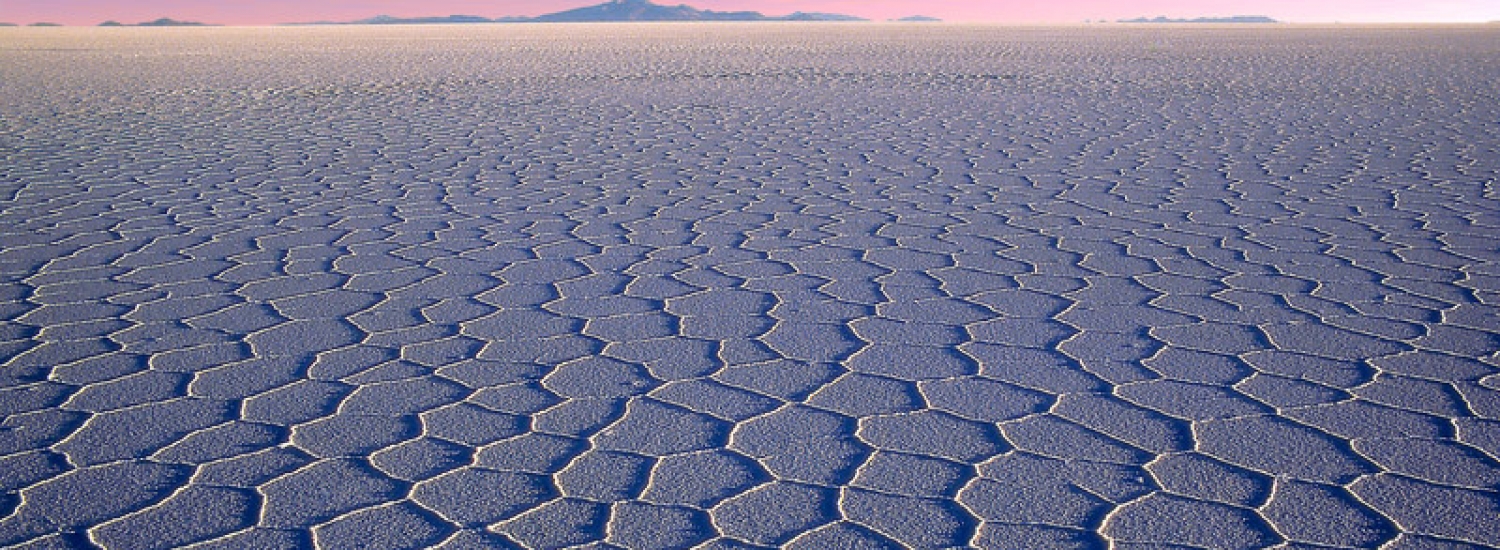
(750, 285)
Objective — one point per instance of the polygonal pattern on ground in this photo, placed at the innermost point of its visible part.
(918, 287)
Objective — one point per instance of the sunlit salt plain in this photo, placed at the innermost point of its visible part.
(818, 286)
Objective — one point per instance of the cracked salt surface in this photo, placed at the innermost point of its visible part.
(736, 286)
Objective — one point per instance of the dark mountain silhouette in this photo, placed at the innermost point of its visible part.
(816, 16)
(163, 22)
(1231, 19)
(611, 11)
(644, 10)
(169, 22)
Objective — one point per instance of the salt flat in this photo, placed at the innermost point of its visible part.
(815, 286)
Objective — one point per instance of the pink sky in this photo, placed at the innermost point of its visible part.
(266, 12)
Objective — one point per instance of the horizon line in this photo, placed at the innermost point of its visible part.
(500, 21)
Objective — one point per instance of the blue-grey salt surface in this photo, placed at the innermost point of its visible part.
(739, 286)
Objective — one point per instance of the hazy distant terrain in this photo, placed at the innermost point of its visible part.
(613, 11)
(161, 22)
(1230, 19)
(750, 286)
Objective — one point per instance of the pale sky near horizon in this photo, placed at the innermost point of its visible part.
(268, 12)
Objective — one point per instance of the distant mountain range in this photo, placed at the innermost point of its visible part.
(1231, 19)
(163, 22)
(644, 10)
(611, 11)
